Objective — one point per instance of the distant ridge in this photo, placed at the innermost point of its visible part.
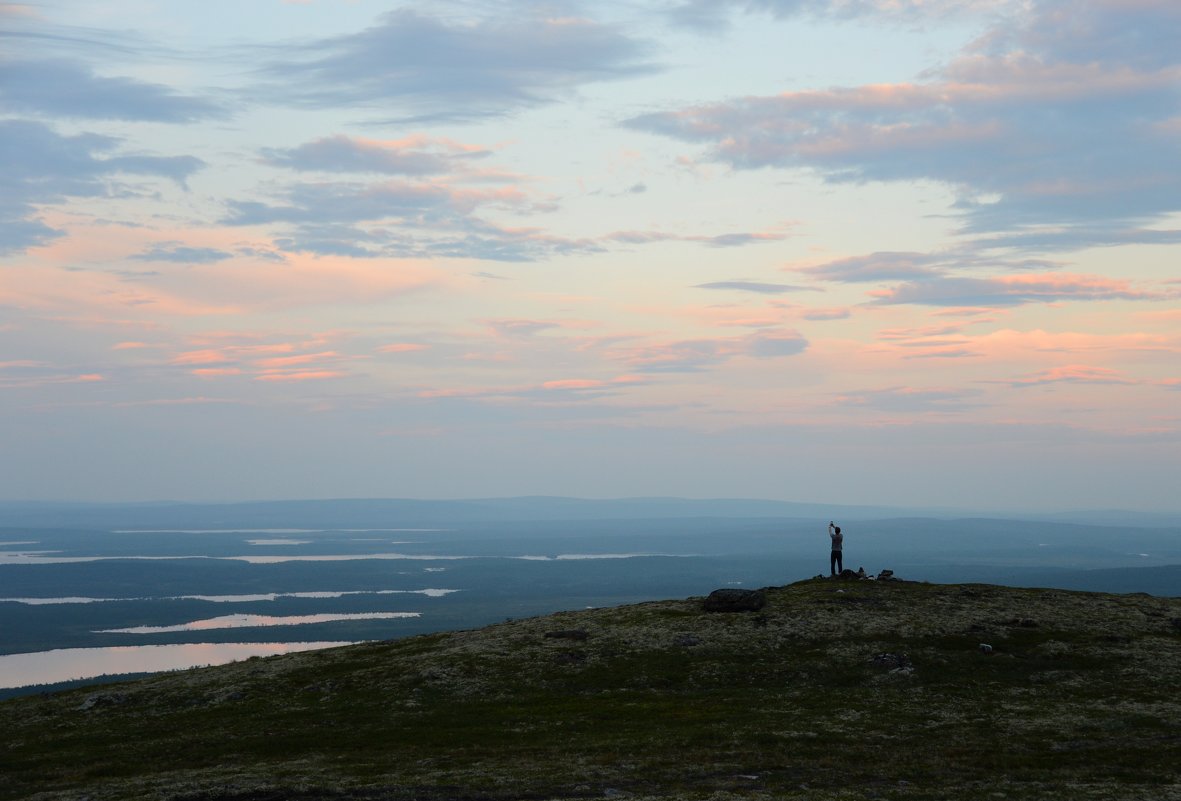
(381, 511)
(357, 512)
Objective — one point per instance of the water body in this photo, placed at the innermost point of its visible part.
(50, 667)
(266, 530)
(251, 621)
(227, 599)
(43, 557)
(71, 595)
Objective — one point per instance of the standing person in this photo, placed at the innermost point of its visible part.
(835, 562)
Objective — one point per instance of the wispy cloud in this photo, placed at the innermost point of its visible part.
(757, 287)
(727, 240)
(1036, 123)
(432, 203)
(874, 267)
(1013, 290)
(710, 16)
(182, 254)
(415, 155)
(430, 68)
(695, 355)
(1071, 374)
(913, 400)
(66, 88)
(40, 166)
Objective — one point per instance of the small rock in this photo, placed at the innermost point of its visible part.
(734, 600)
(102, 699)
(886, 575)
(568, 634)
(892, 662)
(985, 648)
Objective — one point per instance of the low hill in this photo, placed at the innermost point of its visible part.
(833, 690)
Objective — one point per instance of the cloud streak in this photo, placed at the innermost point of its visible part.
(697, 355)
(416, 155)
(437, 69)
(1013, 290)
(40, 166)
(65, 88)
(1027, 124)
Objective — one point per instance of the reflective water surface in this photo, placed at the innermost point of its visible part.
(44, 557)
(227, 599)
(48, 667)
(249, 621)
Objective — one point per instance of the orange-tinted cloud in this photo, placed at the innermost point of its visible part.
(291, 361)
(301, 375)
(402, 347)
(1072, 374)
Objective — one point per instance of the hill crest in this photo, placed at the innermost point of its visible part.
(833, 690)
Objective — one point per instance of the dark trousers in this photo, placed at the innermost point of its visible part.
(835, 564)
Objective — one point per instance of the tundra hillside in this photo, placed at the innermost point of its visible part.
(833, 690)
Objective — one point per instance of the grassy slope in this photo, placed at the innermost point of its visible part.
(1079, 700)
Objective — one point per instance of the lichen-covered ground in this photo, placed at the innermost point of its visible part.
(835, 690)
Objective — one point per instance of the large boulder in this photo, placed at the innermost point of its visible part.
(733, 600)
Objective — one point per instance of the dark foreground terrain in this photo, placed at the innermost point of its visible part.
(834, 690)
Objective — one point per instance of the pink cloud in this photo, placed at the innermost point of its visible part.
(99, 295)
(1011, 344)
(303, 375)
(402, 347)
(291, 361)
(592, 383)
(49, 380)
(574, 383)
(207, 356)
(270, 361)
(923, 334)
(1071, 374)
(311, 281)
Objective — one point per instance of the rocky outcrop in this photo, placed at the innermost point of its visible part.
(734, 600)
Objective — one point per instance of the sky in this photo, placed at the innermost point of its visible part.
(901, 252)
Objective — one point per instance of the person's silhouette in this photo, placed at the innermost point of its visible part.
(836, 562)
